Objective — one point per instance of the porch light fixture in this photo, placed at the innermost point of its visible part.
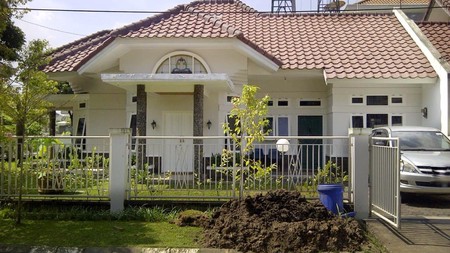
(424, 112)
(209, 124)
(153, 124)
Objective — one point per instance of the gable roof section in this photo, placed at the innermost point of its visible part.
(393, 2)
(438, 33)
(344, 45)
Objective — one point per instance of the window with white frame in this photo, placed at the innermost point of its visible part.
(310, 102)
(277, 126)
(357, 100)
(282, 102)
(396, 120)
(181, 64)
(396, 100)
(357, 121)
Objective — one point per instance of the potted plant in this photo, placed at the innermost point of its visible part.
(330, 184)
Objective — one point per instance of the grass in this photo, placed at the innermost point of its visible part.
(98, 234)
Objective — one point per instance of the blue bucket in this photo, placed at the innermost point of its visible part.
(331, 196)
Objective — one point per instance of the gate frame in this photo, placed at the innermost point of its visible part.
(384, 197)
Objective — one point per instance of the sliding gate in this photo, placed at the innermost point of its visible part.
(385, 179)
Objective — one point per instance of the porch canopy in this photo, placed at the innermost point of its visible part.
(169, 82)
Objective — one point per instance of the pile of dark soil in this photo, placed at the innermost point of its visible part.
(282, 221)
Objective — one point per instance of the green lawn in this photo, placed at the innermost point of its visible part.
(98, 234)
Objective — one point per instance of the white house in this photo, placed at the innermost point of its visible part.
(175, 73)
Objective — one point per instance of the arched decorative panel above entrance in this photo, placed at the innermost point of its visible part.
(181, 62)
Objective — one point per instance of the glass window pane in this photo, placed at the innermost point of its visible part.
(397, 100)
(283, 126)
(357, 100)
(357, 121)
(377, 100)
(374, 120)
(397, 120)
(269, 127)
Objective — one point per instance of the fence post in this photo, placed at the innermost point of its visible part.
(118, 167)
(360, 171)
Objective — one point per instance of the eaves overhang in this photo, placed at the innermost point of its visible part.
(169, 82)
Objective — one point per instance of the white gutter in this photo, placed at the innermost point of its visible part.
(433, 56)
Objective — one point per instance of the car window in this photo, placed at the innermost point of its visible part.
(422, 140)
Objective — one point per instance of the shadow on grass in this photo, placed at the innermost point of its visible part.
(97, 234)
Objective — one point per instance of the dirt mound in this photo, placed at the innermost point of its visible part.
(281, 221)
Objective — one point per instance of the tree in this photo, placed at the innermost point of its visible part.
(22, 97)
(11, 37)
(250, 122)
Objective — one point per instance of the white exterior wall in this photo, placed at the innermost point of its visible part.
(342, 108)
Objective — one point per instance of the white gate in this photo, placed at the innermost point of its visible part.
(385, 179)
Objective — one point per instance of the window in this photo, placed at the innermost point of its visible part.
(377, 100)
(82, 105)
(358, 121)
(134, 99)
(283, 102)
(397, 120)
(357, 100)
(270, 103)
(374, 120)
(283, 126)
(396, 100)
(278, 127)
(310, 102)
(269, 127)
(81, 131)
(183, 63)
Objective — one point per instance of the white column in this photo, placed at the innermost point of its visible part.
(360, 171)
(118, 167)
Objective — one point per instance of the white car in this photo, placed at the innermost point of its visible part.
(425, 158)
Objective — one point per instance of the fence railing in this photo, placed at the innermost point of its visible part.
(170, 167)
(210, 167)
(60, 167)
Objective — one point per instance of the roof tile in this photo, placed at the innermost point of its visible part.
(358, 45)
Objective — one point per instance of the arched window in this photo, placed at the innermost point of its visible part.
(181, 63)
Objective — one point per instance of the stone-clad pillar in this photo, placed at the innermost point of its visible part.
(198, 127)
(141, 124)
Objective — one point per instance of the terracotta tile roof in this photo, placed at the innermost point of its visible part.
(439, 35)
(394, 2)
(344, 45)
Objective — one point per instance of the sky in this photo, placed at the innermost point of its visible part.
(60, 28)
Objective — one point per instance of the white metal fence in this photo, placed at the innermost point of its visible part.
(62, 167)
(385, 179)
(176, 168)
(209, 167)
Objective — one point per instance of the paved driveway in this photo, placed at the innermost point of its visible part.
(425, 206)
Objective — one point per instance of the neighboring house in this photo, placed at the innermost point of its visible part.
(438, 10)
(414, 9)
(173, 73)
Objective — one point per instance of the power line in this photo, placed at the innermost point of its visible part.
(53, 29)
(212, 12)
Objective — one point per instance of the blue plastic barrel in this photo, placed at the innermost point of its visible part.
(331, 196)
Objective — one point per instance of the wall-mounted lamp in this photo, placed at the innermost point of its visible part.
(424, 112)
(153, 124)
(209, 124)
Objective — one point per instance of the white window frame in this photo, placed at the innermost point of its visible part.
(358, 114)
(396, 104)
(275, 125)
(283, 99)
(310, 99)
(358, 104)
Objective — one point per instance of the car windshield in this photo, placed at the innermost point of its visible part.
(422, 140)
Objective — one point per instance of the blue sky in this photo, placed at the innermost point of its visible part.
(76, 24)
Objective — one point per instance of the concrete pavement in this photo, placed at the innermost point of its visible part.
(417, 235)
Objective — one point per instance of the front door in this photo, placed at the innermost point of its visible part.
(178, 152)
(310, 149)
